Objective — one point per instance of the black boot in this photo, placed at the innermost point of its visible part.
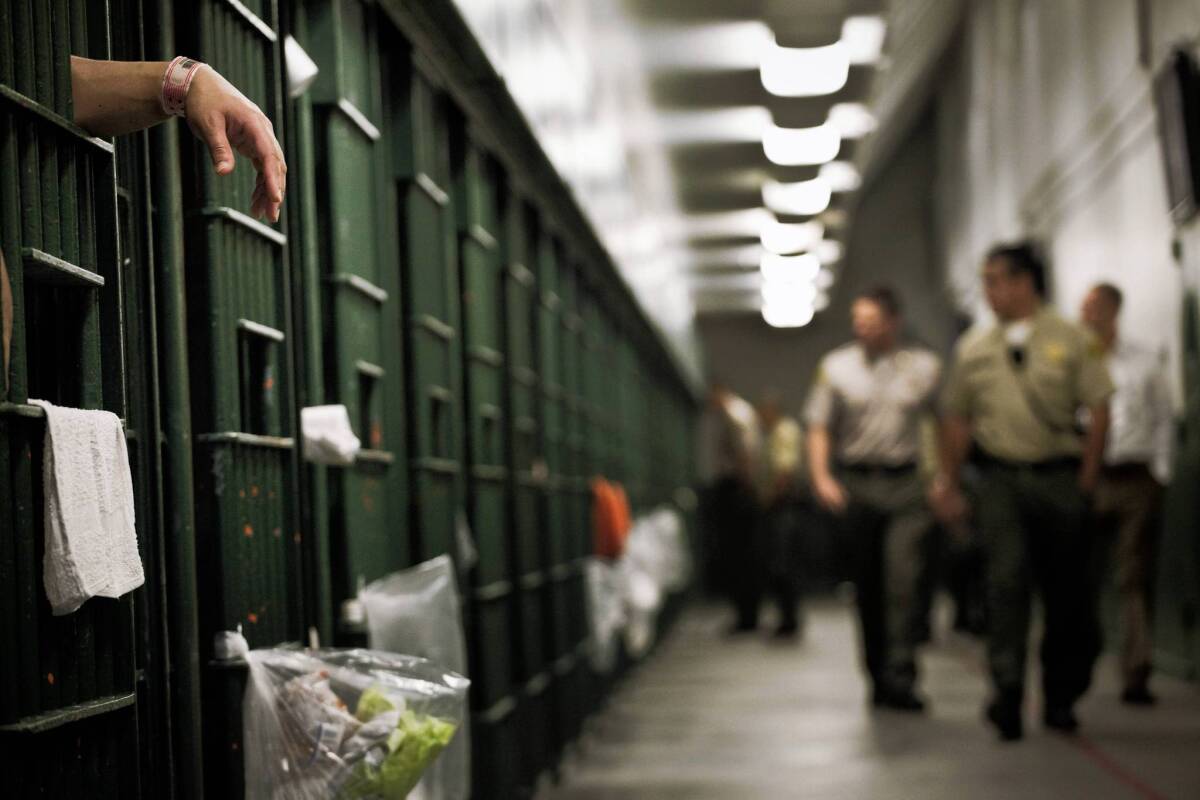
(1004, 712)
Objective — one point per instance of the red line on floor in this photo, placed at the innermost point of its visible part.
(1089, 748)
(1110, 765)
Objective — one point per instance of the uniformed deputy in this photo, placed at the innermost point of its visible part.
(1015, 391)
(863, 421)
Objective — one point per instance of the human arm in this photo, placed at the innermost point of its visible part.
(112, 98)
(945, 492)
(1093, 447)
(828, 489)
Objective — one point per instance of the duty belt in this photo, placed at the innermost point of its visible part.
(879, 469)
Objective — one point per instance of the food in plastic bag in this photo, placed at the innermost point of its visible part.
(417, 611)
(345, 724)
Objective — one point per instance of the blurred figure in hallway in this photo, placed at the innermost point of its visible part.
(1128, 499)
(732, 446)
(783, 514)
(863, 420)
(1015, 391)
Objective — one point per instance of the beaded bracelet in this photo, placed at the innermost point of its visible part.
(176, 82)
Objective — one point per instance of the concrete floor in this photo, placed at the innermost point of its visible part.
(708, 717)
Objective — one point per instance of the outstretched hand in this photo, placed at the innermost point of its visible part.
(227, 121)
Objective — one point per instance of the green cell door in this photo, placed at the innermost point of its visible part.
(358, 316)
(74, 689)
(240, 340)
(491, 595)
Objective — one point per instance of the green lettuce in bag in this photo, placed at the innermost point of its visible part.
(393, 768)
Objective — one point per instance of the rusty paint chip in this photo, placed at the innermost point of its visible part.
(248, 530)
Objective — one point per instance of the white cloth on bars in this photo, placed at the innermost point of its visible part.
(91, 544)
(328, 437)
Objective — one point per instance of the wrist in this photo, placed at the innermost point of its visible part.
(945, 481)
(177, 81)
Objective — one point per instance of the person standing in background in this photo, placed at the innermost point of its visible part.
(1014, 393)
(863, 419)
(782, 513)
(1128, 501)
(733, 445)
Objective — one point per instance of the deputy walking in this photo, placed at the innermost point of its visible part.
(863, 421)
(1128, 499)
(1015, 390)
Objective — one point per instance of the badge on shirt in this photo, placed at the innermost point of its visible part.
(1055, 352)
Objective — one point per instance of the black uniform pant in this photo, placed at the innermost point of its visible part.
(887, 526)
(1032, 519)
(736, 519)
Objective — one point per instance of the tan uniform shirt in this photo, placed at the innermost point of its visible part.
(1026, 411)
(783, 449)
(872, 408)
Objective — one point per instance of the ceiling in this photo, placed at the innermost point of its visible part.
(708, 98)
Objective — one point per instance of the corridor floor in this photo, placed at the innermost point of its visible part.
(710, 717)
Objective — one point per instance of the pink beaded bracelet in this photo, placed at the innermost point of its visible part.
(176, 82)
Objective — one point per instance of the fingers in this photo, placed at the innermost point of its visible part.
(218, 147)
(248, 131)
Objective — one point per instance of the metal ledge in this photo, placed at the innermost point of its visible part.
(250, 18)
(497, 713)
(382, 457)
(434, 325)
(45, 268)
(247, 439)
(64, 125)
(485, 355)
(22, 410)
(360, 120)
(481, 237)
(441, 466)
(369, 369)
(521, 274)
(361, 285)
(488, 473)
(249, 326)
(244, 221)
(63, 716)
(493, 591)
(430, 187)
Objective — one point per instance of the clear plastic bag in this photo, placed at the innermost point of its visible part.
(417, 611)
(345, 724)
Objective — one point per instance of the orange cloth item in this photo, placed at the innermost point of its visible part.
(610, 518)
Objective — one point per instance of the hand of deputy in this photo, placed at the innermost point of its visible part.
(830, 493)
(947, 501)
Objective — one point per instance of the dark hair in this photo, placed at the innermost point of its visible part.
(1022, 258)
(882, 296)
(1111, 293)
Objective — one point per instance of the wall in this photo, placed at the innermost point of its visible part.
(1046, 127)
(891, 242)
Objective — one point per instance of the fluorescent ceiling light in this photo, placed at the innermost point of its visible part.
(850, 120)
(787, 270)
(747, 222)
(804, 71)
(780, 317)
(833, 218)
(804, 198)
(862, 37)
(842, 176)
(748, 257)
(737, 124)
(719, 46)
(829, 251)
(784, 239)
(793, 147)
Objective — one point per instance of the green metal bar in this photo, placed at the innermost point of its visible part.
(178, 493)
